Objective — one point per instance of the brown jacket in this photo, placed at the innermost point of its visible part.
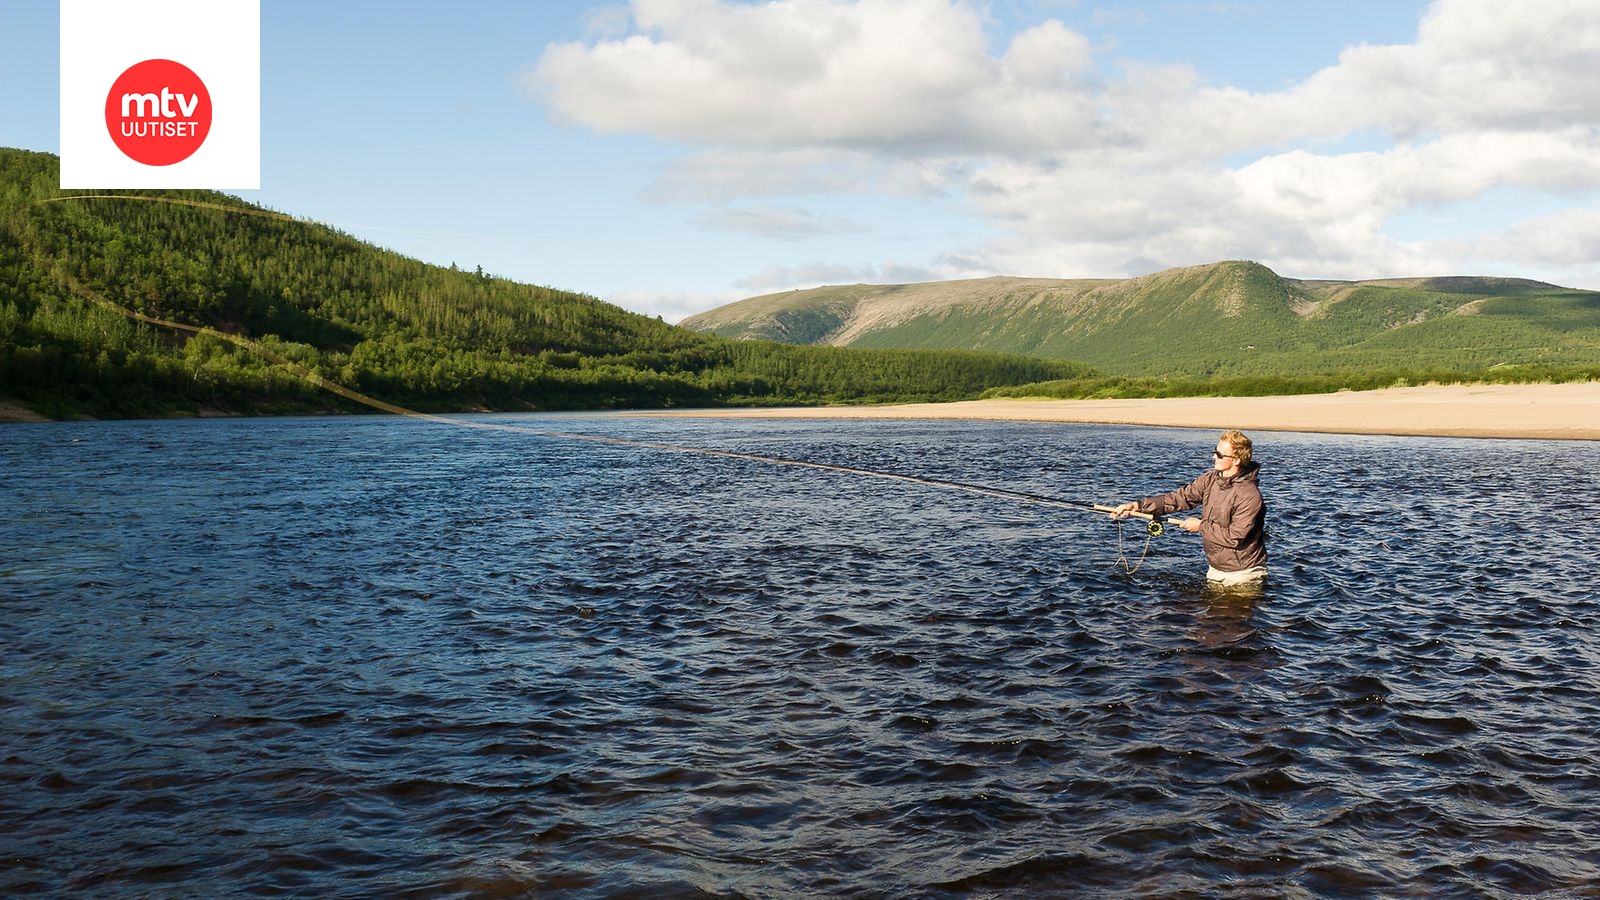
(1233, 525)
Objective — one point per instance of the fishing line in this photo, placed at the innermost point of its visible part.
(1154, 527)
(1122, 556)
(179, 201)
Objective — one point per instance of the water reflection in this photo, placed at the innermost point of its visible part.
(1227, 615)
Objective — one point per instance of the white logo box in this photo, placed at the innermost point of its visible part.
(219, 39)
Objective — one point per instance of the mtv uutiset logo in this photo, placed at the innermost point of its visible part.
(160, 94)
(158, 128)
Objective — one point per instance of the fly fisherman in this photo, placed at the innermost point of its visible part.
(1232, 525)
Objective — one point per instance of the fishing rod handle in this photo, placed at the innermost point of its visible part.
(1137, 515)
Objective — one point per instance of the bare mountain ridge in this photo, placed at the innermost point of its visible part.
(1198, 319)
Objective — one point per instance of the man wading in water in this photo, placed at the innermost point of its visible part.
(1232, 525)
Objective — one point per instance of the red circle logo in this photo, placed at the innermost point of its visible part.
(158, 112)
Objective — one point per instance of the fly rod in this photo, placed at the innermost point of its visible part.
(1154, 524)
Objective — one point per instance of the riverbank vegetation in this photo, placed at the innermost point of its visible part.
(1116, 386)
(411, 334)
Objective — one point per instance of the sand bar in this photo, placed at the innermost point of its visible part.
(1550, 411)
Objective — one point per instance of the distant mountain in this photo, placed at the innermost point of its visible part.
(1226, 318)
(175, 302)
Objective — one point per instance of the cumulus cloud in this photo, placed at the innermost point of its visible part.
(903, 76)
(909, 77)
(1476, 64)
(1088, 173)
(1301, 212)
(1570, 238)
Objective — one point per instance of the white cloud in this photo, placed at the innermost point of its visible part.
(910, 77)
(1476, 64)
(609, 21)
(791, 223)
(1568, 239)
(783, 278)
(1089, 174)
(1449, 169)
(723, 175)
(901, 76)
(1302, 213)
(672, 306)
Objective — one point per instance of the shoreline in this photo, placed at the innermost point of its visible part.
(16, 412)
(1568, 411)
(1518, 411)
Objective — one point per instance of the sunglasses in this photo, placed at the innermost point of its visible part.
(1223, 455)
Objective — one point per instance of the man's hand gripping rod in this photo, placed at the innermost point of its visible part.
(1154, 524)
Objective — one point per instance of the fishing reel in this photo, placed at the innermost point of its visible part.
(1155, 527)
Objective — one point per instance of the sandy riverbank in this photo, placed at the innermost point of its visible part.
(1557, 411)
(1551, 411)
(16, 412)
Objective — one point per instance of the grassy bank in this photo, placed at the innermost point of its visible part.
(1107, 387)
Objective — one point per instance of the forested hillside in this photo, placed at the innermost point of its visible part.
(409, 333)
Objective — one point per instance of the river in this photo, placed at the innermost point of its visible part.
(359, 656)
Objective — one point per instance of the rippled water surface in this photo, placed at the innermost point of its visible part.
(372, 656)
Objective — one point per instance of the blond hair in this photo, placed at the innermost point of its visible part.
(1242, 449)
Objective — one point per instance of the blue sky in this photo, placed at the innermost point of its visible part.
(673, 155)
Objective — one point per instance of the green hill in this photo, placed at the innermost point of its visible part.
(328, 306)
(1229, 319)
